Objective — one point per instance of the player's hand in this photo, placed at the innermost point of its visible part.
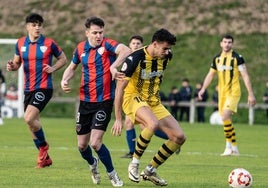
(200, 94)
(117, 128)
(48, 69)
(10, 65)
(251, 100)
(115, 74)
(64, 86)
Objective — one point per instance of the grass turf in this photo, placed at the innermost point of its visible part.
(198, 165)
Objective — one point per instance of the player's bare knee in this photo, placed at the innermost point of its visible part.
(82, 146)
(28, 119)
(153, 125)
(179, 138)
(95, 145)
(129, 125)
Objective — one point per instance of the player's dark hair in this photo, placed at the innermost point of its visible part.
(227, 36)
(138, 37)
(185, 80)
(34, 18)
(94, 21)
(163, 35)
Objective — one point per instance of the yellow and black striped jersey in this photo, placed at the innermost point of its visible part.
(145, 75)
(227, 67)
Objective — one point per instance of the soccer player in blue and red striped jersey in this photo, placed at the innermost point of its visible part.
(97, 91)
(35, 52)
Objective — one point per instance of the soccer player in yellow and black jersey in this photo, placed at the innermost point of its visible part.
(229, 65)
(138, 95)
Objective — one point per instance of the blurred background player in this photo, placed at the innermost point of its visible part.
(200, 109)
(135, 42)
(2, 94)
(34, 52)
(229, 66)
(265, 98)
(174, 98)
(185, 93)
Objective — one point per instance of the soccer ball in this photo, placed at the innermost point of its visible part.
(240, 178)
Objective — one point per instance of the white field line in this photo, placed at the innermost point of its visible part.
(149, 151)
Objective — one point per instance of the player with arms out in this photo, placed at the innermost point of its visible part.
(34, 52)
(97, 91)
(138, 95)
(228, 65)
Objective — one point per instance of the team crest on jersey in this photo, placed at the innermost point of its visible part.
(43, 49)
(23, 49)
(101, 50)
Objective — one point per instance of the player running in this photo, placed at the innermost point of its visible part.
(35, 52)
(138, 95)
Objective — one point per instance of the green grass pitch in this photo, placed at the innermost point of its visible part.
(199, 165)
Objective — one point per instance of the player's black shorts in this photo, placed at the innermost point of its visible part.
(38, 98)
(95, 115)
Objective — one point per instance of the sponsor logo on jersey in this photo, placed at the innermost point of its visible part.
(149, 75)
(224, 67)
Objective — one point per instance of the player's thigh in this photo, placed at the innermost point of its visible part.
(31, 113)
(173, 130)
(228, 103)
(145, 116)
(137, 110)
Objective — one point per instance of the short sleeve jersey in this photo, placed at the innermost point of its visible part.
(34, 56)
(226, 66)
(145, 75)
(96, 83)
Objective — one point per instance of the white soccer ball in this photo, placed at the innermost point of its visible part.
(240, 178)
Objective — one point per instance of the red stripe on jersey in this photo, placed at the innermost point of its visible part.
(32, 65)
(45, 61)
(92, 75)
(106, 78)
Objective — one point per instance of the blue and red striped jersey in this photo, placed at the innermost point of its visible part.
(34, 56)
(96, 80)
